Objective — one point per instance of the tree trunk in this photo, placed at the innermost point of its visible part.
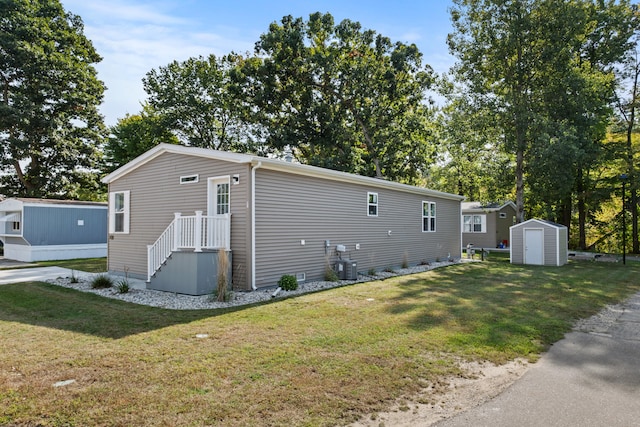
(520, 186)
(582, 212)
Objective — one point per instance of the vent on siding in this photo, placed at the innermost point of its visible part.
(503, 215)
(188, 179)
(301, 277)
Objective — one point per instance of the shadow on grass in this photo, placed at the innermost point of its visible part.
(504, 307)
(51, 306)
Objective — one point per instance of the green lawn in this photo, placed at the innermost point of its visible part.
(92, 265)
(319, 359)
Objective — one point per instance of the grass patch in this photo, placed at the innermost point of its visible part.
(91, 265)
(320, 359)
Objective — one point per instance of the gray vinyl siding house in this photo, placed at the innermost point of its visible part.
(487, 225)
(47, 229)
(283, 218)
(539, 242)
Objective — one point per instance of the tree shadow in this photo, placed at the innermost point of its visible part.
(51, 306)
(498, 306)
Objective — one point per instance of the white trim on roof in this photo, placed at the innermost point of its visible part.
(540, 222)
(176, 149)
(272, 164)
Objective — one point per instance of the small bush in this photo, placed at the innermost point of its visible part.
(101, 281)
(372, 272)
(123, 286)
(74, 278)
(330, 275)
(288, 283)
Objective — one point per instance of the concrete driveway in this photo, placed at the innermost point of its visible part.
(39, 274)
(590, 378)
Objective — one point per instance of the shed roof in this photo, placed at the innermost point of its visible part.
(272, 164)
(540, 221)
(14, 203)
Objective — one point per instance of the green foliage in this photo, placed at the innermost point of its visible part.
(101, 281)
(344, 98)
(329, 273)
(200, 100)
(288, 283)
(50, 127)
(543, 68)
(123, 286)
(133, 135)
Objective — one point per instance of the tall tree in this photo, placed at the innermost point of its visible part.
(627, 103)
(494, 42)
(133, 135)
(50, 128)
(200, 101)
(344, 97)
(545, 67)
(469, 162)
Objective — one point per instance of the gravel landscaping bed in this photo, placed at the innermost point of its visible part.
(188, 302)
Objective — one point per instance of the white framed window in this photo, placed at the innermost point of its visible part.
(119, 212)
(372, 204)
(428, 216)
(474, 223)
(189, 179)
(15, 226)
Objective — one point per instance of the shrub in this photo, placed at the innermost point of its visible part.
(372, 272)
(101, 281)
(123, 286)
(74, 278)
(288, 283)
(330, 275)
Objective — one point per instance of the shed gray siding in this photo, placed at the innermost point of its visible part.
(49, 225)
(156, 194)
(291, 208)
(555, 250)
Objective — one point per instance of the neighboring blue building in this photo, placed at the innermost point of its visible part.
(47, 229)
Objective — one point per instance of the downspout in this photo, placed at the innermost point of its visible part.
(253, 224)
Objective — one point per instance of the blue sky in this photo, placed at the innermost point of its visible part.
(135, 36)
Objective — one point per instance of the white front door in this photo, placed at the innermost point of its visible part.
(219, 196)
(533, 246)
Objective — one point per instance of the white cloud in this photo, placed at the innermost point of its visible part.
(133, 40)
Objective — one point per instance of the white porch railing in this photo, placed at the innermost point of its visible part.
(196, 232)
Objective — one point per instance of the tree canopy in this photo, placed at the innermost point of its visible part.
(343, 97)
(50, 128)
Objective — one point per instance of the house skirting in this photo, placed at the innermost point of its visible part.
(28, 253)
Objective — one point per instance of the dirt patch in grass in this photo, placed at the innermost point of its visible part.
(477, 383)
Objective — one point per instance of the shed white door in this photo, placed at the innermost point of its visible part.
(533, 246)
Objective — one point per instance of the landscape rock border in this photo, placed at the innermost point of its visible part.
(176, 301)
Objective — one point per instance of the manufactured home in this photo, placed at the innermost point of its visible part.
(539, 242)
(48, 229)
(172, 209)
(486, 225)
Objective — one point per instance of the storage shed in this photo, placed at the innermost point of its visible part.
(539, 242)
